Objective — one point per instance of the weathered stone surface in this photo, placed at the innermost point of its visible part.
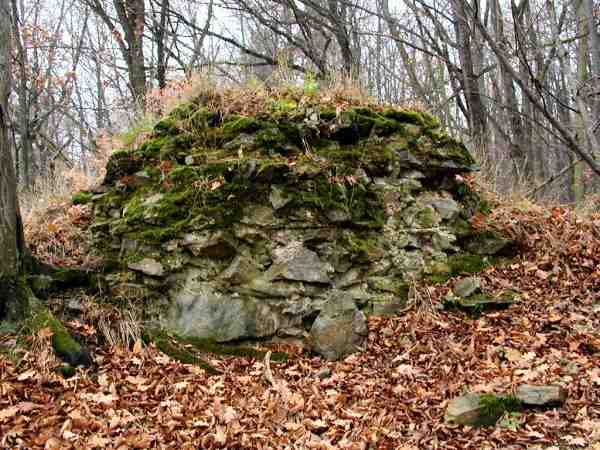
(200, 310)
(467, 286)
(148, 266)
(477, 410)
(447, 208)
(295, 262)
(340, 328)
(465, 410)
(485, 300)
(213, 244)
(278, 197)
(488, 243)
(248, 225)
(548, 395)
(242, 270)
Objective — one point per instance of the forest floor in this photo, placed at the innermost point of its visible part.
(392, 396)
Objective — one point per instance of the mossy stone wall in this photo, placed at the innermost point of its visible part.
(227, 226)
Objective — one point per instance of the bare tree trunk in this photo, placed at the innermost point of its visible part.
(10, 221)
(464, 34)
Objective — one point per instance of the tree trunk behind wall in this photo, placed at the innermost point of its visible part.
(11, 231)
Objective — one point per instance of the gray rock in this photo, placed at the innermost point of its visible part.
(470, 410)
(547, 395)
(278, 198)
(295, 262)
(447, 208)
(442, 240)
(340, 328)
(338, 215)
(212, 244)
(260, 215)
(467, 286)
(488, 243)
(242, 270)
(199, 310)
(148, 266)
(483, 301)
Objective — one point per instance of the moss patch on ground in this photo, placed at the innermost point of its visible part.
(187, 348)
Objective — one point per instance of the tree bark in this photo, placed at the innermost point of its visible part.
(11, 230)
(476, 108)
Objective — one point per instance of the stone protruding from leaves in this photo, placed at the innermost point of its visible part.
(148, 266)
(548, 395)
(467, 286)
(477, 410)
(465, 410)
(340, 328)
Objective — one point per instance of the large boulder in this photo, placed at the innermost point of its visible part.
(240, 226)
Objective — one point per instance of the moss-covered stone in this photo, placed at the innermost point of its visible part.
(82, 198)
(315, 196)
(480, 410)
(169, 346)
(67, 348)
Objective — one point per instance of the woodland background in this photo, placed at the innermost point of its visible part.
(517, 81)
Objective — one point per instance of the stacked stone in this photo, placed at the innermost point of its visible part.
(298, 220)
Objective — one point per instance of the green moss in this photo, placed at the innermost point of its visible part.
(176, 146)
(185, 174)
(283, 105)
(66, 371)
(211, 346)
(405, 116)
(183, 111)
(495, 406)
(468, 263)
(63, 343)
(431, 122)
(463, 263)
(81, 198)
(165, 233)
(272, 139)
(362, 249)
(202, 119)
(166, 127)
(327, 114)
(362, 206)
(170, 347)
(234, 125)
(120, 154)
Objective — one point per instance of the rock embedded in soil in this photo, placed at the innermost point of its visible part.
(474, 409)
(547, 395)
(466, 410)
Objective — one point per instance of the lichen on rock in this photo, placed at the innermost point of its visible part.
(243, 224)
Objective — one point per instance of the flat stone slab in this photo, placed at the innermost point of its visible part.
(477, 410)
(148, 266)
(548, 395)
